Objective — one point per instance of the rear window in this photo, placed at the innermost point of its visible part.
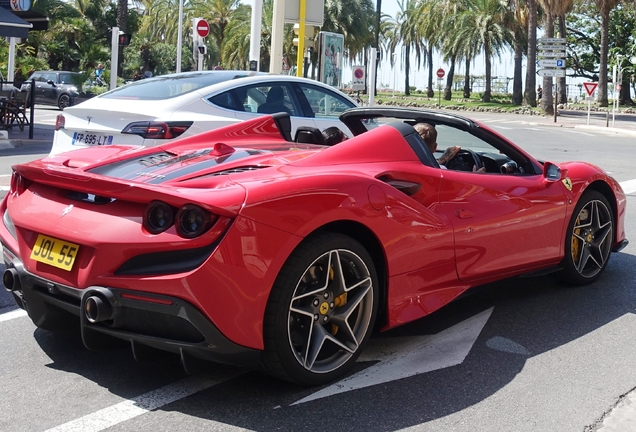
(169, 86)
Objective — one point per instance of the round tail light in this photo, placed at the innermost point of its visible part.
(192, 221)
(158, 217)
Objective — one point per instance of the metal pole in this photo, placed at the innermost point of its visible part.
(255, 34)
(377, 43)
(556, 98)
(372, 70)
(300, 55)
(179, 36)
(11, 65)
(114, 54)
(394, 72)
(276, 49)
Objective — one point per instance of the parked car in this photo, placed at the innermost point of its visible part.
(59, 88)
(240, 245)
(156, 110)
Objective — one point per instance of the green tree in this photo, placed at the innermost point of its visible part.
(486, 23)
(407, 34)
(605, 7)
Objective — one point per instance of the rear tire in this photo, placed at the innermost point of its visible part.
(588, 241)
(321, 311)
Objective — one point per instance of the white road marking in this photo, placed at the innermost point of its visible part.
(18, 313)
(131, 408)
(501, 127)
(628, 186)
(578, 133)
(407, 356)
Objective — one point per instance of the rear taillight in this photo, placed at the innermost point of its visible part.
(60, 122)
(18, 184)
(157, 130)
(158, 217)
(190, 221)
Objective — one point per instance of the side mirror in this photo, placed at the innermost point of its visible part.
(553, 172)
(50, 82)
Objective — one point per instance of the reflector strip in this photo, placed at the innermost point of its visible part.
(146, 299)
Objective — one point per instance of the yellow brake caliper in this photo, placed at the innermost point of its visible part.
(341, 300)
(576, 242)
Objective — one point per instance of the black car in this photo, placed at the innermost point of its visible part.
(59, 88)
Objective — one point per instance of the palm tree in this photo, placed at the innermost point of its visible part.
(530, 94)
(407, 33)
(520, 11)
(485, 23)
(605, 7)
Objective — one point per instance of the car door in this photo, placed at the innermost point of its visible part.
(501, 222)
(48, 91)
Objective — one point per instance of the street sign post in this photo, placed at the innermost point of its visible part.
(203, 28)
(551, 40)
(551, 63)
(359, 77)
(440, 74)
(550, 50)
(551, 72)
(590, 87)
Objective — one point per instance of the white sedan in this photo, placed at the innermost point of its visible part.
(156, 110)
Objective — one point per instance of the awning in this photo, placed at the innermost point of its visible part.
(12, 26)
(38, 19)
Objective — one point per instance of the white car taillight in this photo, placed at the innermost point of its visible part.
(60, 121)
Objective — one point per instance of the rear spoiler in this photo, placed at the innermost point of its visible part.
(227, 197)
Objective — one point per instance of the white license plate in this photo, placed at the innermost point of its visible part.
(91, 139)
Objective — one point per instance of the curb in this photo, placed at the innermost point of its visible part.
(606, 129)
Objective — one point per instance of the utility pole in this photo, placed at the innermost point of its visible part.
(377, 42)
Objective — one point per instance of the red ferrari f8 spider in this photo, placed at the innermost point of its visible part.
(245, 246)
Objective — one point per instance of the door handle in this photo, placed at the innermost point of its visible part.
(464, 214)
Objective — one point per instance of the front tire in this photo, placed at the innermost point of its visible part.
(64, 101)
(589, 240)
(321, 311)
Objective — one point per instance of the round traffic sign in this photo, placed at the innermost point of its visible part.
(203, 28)
(440, 73)
(358, 73)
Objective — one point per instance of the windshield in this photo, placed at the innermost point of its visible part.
(170, 86)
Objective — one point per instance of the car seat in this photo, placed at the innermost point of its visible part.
(274, 102)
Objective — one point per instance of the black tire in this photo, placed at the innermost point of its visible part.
(321, 311)
(63, 101)
(588, 240)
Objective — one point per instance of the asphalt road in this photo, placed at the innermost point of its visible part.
(524, 354)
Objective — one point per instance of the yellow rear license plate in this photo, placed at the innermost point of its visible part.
(55, 252)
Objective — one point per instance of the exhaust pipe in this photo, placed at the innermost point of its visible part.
(11, 280)
(97, 310)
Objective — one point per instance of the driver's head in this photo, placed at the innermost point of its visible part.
(428, 134)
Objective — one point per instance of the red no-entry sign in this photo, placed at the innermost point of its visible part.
(440, 73)
(203, 28)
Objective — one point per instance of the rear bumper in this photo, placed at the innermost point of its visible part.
(144, 320)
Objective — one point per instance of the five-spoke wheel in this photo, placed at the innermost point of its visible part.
(321, 310)
(589, 240)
